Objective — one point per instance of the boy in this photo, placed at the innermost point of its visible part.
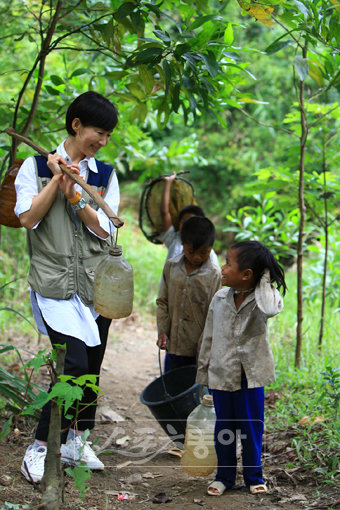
(169, 236)
(188, 284)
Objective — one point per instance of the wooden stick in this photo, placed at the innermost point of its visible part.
(75, 177)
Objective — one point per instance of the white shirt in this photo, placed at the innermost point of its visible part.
(70, 317)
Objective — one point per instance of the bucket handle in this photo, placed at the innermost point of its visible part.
(166, 394)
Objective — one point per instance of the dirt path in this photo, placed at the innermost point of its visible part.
(130, 364)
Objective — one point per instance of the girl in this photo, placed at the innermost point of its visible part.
(236, 361)
(67, 237)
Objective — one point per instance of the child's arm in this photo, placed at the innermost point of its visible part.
(165, 203)
(267, 297)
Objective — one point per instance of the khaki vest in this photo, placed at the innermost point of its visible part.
(64, 253)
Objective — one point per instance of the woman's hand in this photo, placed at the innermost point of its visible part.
(66, 184)
(53, 162)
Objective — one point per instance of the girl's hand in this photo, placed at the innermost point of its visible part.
(162, 341)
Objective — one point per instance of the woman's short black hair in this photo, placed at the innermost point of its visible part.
(198, 232)
(92, 109)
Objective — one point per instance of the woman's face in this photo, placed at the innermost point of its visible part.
(89, 139)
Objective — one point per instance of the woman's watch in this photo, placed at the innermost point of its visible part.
(79, 205)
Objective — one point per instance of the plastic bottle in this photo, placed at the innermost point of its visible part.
(113, 286)
(199, 456)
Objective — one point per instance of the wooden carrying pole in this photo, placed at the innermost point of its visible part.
(93, 194)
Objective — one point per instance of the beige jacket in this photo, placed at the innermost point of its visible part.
(238, 338)
(183, 303)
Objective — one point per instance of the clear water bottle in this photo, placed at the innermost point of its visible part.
(199, 456)
(113, 286)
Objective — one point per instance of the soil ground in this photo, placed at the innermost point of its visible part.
(138, 463)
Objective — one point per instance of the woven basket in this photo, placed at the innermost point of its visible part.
(150, 218)
(8, 197)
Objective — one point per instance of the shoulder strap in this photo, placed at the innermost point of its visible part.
(42, 168)
(100, 179)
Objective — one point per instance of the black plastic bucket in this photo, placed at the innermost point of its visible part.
(171, 398)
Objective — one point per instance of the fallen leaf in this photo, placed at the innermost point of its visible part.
(5, 480)
(152, 475)
(123, 440)
(108, 414)
(305, 420)
(134, 478)
(199, 502)
(124, 464)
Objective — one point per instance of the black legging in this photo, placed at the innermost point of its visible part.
(79, 360)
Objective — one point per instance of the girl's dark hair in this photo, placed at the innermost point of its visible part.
(92, 109)
(253, 255)
(191, 209)
(198, 231)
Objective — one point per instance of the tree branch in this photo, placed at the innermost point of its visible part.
(277, 128)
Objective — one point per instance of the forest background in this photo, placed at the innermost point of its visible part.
(244, 96)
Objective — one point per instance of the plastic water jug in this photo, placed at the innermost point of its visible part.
(113, 286)
(199, 456)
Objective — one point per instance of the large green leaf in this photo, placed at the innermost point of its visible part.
(277, 46)
(203, 19)
(149, 55)
(209, 60)
(301, 67)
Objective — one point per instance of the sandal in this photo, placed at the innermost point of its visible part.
(258, 489)
(216, 488)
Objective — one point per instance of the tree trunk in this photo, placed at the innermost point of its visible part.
(324, 276)
(52, 482)
(41, 60)
(302, 208)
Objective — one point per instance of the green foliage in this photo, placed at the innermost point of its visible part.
(318, 451)
(313, 286)
(16, 391)
(151, 61)
(81, 473)
(269, 224)
(331, 389)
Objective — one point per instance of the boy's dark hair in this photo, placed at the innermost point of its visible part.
(198, 232)
(191, 209)
(92, 109)
(253, 255)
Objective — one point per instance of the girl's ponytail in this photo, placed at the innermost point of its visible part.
(255, 256)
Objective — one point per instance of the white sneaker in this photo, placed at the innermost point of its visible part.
(76, 451)
(33, 464)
